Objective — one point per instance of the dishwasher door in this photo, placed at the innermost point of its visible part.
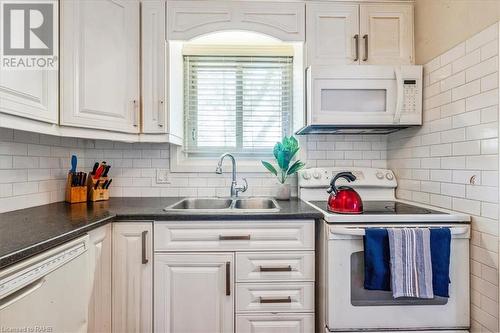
(47, 293)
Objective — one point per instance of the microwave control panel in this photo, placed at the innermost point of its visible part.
(410, 95)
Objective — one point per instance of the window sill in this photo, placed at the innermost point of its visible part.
(179, 163)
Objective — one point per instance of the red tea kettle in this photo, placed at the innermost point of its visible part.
(344, 199)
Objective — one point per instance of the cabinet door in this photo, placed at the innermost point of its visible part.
(153, 66)
(132, 277)
(332, 34)
(194, 293)
(100, 64)
(188, 19)
(30, 94)
(386, 32)
(100, 279)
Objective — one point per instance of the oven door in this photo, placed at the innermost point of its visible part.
(351, 307)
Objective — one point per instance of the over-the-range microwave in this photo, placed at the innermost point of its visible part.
(365, 99)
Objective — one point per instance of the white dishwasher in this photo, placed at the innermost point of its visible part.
(47, 293)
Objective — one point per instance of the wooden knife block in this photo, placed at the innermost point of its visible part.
(75, 194)
(98, 194)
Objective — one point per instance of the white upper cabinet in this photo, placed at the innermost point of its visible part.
(188, 19)
(373, 34)
(30, 94)
(387, 33)
(332, 33)
(154, 75)
(100, 64)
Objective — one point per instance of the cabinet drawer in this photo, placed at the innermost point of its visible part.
(234, 236)
(275, 323)
(274, 266)
(275, 297)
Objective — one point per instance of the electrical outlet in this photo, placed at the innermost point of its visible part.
(162, 176)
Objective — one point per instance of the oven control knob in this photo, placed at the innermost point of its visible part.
(306, 175)
(389, 176)
(316, 175)
(379, 175)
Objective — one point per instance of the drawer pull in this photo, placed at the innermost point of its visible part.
(144, 234)
(275, 300)
(239, 237)
(275, 269)
(228, 278)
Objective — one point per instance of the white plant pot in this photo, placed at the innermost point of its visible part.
(283, 192)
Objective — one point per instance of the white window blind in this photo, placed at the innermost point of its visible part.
(241, 104)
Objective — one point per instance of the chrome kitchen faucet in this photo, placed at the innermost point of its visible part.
(235, 188)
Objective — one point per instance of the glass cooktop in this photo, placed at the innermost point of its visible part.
(384, 207)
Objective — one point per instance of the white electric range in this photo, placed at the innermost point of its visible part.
(343, 303)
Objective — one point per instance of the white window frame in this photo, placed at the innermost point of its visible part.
(181, 163)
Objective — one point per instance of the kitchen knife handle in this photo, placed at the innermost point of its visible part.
(109, 183)
(106, 170)
(94, 169)
(96, 185)
(74, 162)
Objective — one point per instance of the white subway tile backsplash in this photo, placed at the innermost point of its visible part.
(482, 100)
(467, 61)
(461, 133)
(466, 90)
(482, 69)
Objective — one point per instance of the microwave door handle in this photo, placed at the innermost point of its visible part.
(399, 99)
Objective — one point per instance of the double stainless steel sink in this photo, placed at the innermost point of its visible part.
(224, 205)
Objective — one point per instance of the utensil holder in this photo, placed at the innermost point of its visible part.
(75, 194)
(98, 194)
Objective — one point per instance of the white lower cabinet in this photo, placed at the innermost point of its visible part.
(234, 276)
(132, 272)
(194, 293)
(100, 279)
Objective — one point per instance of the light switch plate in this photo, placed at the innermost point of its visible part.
(162, 176)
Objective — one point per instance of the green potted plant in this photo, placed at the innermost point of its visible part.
(284, 153)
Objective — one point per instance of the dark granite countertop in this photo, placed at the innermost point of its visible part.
(26, 232)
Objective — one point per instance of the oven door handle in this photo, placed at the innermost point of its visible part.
(341, 233)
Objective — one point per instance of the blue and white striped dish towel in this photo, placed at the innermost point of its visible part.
(411, 263)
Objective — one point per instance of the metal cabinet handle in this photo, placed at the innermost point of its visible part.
(275, 300)
(134, 102)
(275, 269)
(365, 37)
(228, 278)
(356, 46)
(161, 113)
(234, 237)
(144, 254)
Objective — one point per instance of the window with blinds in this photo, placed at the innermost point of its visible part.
(238, 104)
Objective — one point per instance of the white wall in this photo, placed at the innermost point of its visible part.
(33, 167)
(442, 24)
(459, 140)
